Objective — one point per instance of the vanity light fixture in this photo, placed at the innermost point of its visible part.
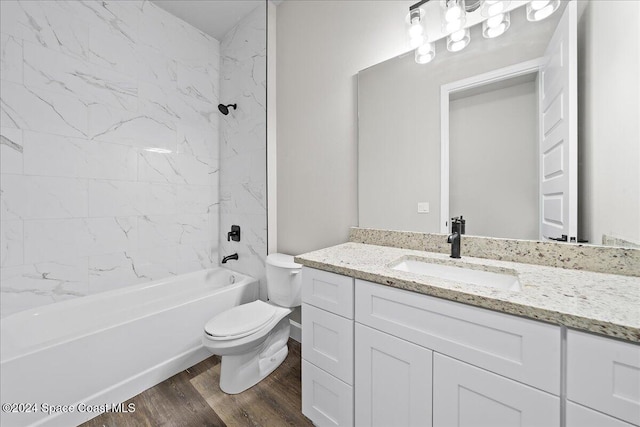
(496, 25)
(494, 7)
(453, 17)
(537, 10)
(416, 30)
(458, 40)
(425, 53)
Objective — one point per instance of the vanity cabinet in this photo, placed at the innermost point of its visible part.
(374, 355)
(465, 395)
(393, 380)
(604, 374)
(579, 416)
(327, 348)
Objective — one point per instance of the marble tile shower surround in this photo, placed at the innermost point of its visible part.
(243, 154)
(598, 259)
(109, 147)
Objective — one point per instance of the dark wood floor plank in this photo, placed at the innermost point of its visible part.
(275, 401)
(193, 398)
(174, 402)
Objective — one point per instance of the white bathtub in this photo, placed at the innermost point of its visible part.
(105, 348)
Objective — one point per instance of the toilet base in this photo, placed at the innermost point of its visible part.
(238, 372)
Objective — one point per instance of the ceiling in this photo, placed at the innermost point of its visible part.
(214, 17)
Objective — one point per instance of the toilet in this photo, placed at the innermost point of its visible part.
(252, 338)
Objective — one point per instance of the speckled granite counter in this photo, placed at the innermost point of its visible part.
(607, 304)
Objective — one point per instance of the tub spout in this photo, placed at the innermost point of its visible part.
(229, 257)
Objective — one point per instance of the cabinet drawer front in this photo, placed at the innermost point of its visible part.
(393, 381)
(579, 416)
(327, 342)
(604, 374)
(328, 291)
(466, 396)
(521, 349)
(326, 400)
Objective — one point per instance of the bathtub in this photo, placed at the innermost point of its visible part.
(103, 349)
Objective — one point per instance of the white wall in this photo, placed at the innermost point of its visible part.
(609, 121)
(321, 47)
(243, 149)
(498, 195)
(87, 89)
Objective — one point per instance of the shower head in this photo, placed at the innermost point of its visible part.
(224, 109)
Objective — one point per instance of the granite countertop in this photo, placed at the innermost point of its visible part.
(607, 304)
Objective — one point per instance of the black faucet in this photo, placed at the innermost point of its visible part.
(229, 257)
(458, 225)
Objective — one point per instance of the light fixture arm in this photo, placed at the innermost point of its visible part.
(417, 5)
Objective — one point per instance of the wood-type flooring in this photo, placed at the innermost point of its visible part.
(193, 398)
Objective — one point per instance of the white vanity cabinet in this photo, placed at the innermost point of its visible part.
(374, 355)
(327, 348)
(393, 380)
(603, 374)
(465, 395)
(489, 369)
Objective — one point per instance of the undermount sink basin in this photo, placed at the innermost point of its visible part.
(465, 273)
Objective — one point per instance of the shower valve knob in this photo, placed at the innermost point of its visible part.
(234, 234)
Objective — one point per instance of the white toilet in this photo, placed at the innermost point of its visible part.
(252, 338)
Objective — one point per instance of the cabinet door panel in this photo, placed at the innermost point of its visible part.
(579, 416)
(466, 396)
(327, 342)
(328, 291)
(326, 400)
(392, 381)
(604, 374)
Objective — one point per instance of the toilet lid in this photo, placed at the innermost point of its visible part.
(240, 321)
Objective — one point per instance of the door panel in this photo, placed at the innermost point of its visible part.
(466, 396)
(393, 381)
(559, 132)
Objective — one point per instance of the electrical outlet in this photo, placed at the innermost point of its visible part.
(423, 207)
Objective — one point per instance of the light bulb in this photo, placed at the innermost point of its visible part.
(458, 35)
(416, 30)
(458, 40)
(453, 26)
(494, 7)
(539, 4)
(425, 53)
(538, 10)
(496, 25)
(416, 41)
(496, 20)
(453, 15)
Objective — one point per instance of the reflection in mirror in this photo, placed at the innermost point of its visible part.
(482, 122)
(399, 148)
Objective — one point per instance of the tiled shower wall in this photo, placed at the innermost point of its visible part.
(243, 149)
(109, 173)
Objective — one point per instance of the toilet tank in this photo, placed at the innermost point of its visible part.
(284, 281)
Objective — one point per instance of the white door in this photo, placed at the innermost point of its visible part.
(392, 381)
(559, 132)
(466, 396)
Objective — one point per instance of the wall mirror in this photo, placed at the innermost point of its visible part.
(495, 164)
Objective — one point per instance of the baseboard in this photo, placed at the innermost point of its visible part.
(295, 331)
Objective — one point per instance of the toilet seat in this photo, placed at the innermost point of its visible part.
(240, 321)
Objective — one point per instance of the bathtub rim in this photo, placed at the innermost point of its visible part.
(246, 280)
